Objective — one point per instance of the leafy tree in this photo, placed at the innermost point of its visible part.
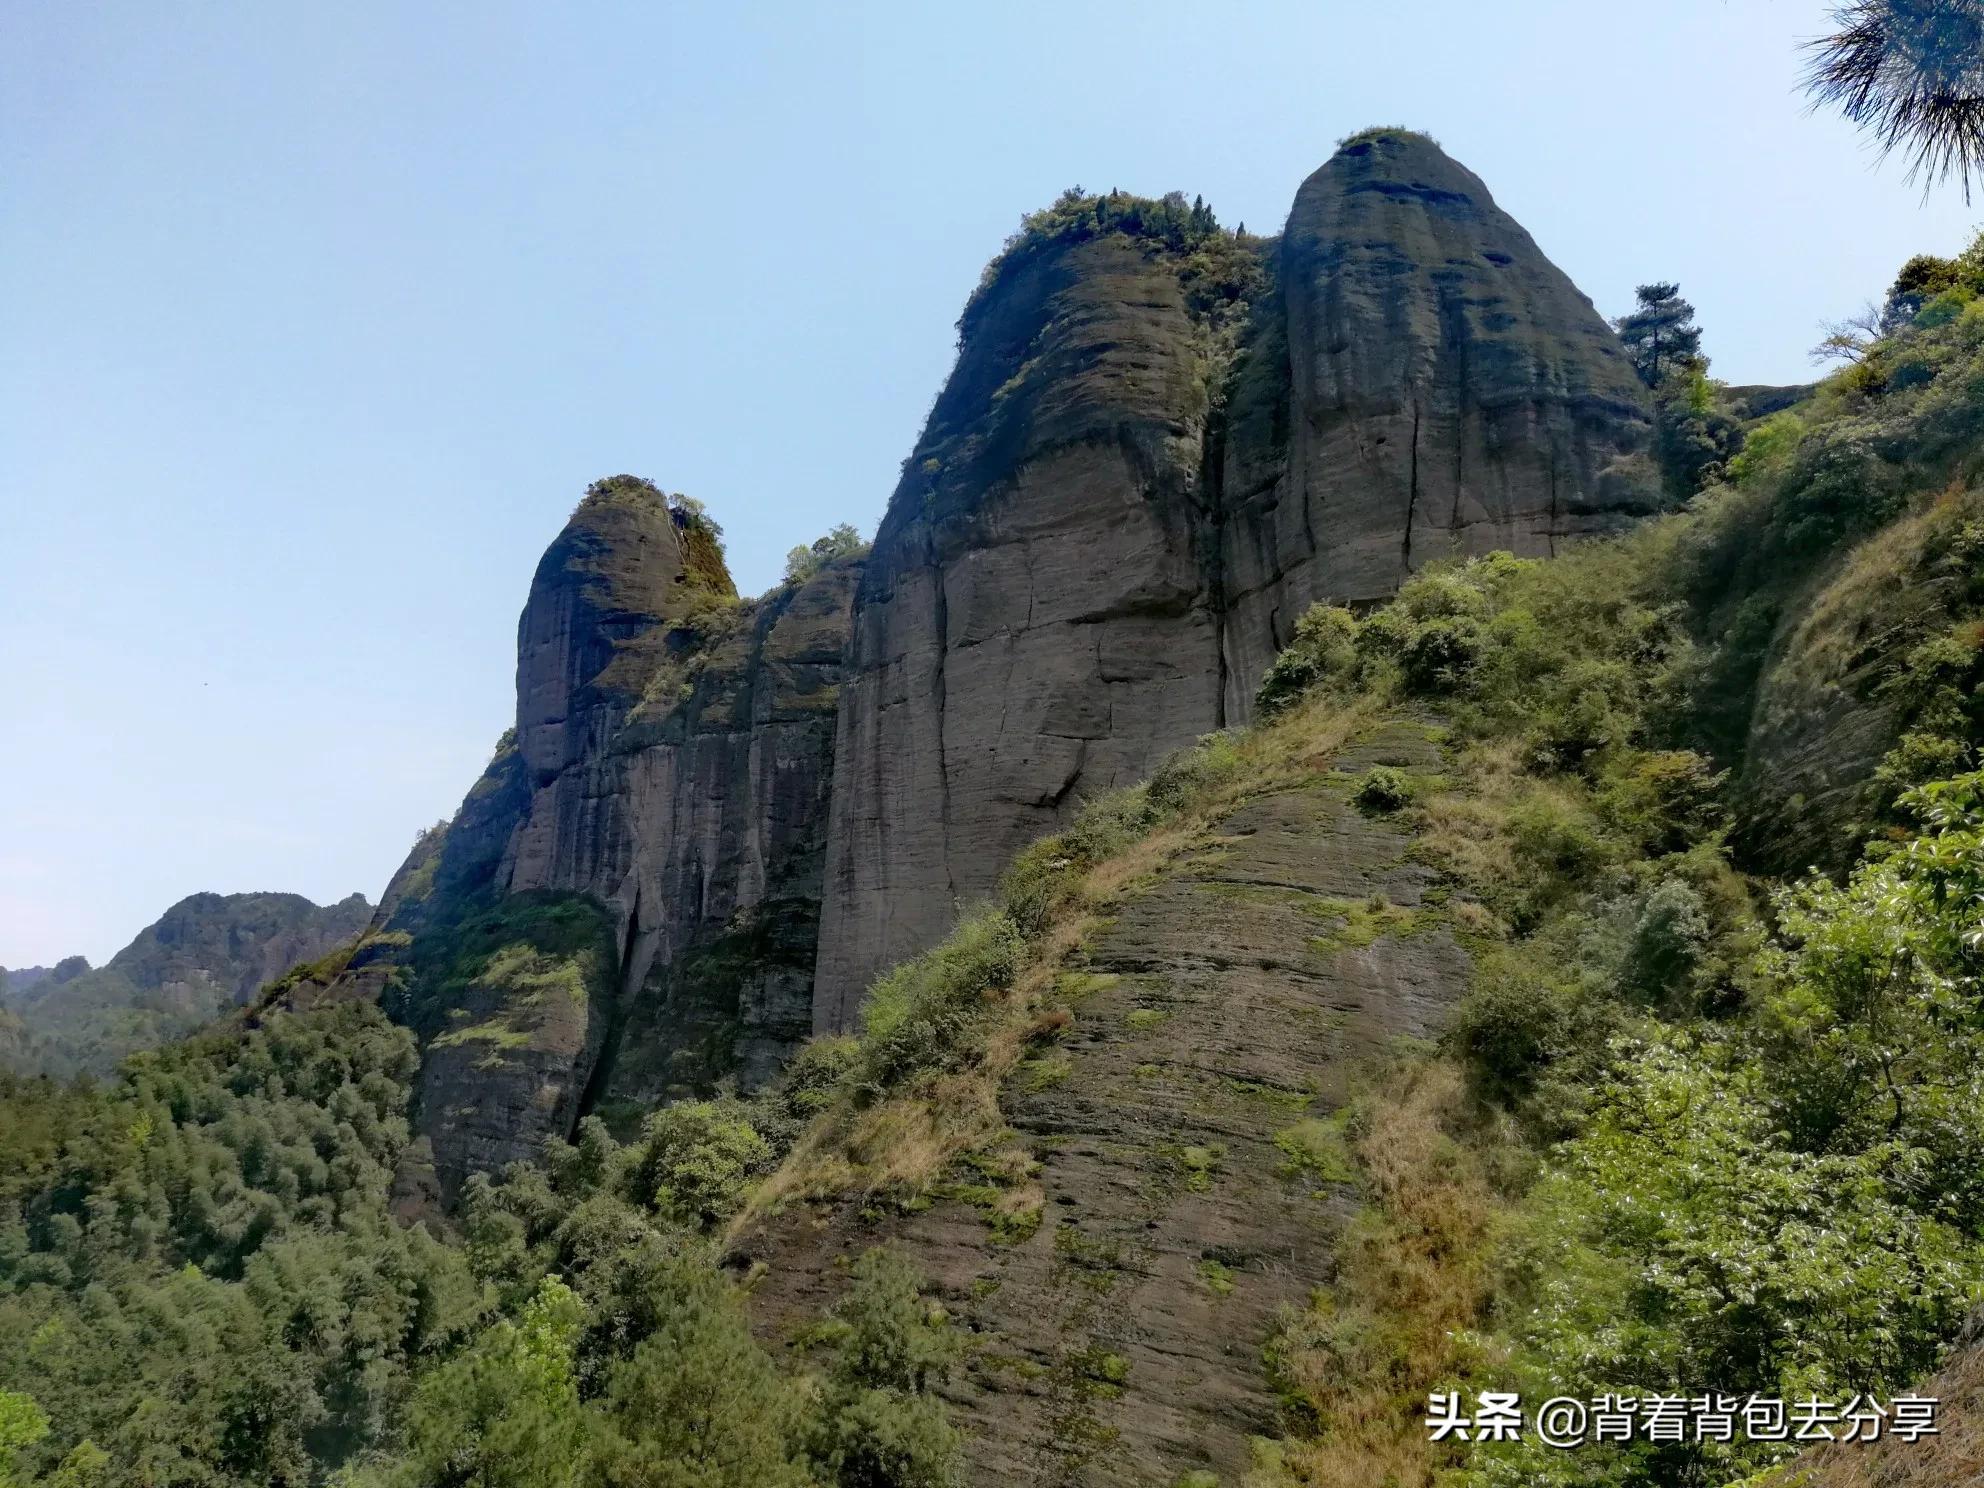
(1693, 438)
(689, 511)
(700, 1404)
(86, 1466)
(1792, 1204)
(841, 541)
(1668, 942)
(1911, 73)
(506, 1414)
(22, 1424)
(879, 1427)
(699, 1154)
(1661, 335)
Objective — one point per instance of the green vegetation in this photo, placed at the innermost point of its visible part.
(1694, 436)
(190, 967)
(1221, 269)
(506, 966)
(1693, 1127)
(841, 541)
(1661, 335)
(1383, 131)
(198, 1275)
(200, 1283)
(1686, 1132)
(1383, 789)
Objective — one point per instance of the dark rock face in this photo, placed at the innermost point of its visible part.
(205, 955)
(1092, 560)
(1159, 445)
(1034, 626)
(1427, 385)
(624, 909)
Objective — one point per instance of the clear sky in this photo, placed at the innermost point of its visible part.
(319, 318)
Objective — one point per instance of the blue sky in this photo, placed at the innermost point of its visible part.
(320, 318)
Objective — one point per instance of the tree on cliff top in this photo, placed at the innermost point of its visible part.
(1661, 336)
(842, 541)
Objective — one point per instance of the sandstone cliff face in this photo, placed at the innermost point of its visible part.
(1427, 384)
(1034, 625)
(718, 823)
(1107, 531)
(624, 909)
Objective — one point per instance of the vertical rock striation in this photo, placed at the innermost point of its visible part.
(625, 906)
(717, 822)
(1426, 384)
(1034, 625)
(1110, 525)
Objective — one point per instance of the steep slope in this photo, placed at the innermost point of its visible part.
(623, 909)
(1035, 623)
(207, 953)
(1171, 1155)
(1426, 384)
(1840, 584)
(1955, 1454)
(1109, 527)
(718, 822)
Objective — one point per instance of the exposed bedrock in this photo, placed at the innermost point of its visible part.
(1160, 443)
(1427, 384)
(626, 906)
(1111, 525)
(1033, 626)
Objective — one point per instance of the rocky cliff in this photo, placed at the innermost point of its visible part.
(1117, 1323)
(1036, 623)
(1424, 384)
(1112, 521)
(207, 953)
(1161, 442)
(624, 909)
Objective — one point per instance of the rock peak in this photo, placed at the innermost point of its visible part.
(612, 599)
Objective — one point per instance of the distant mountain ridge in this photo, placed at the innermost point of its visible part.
(207, 953)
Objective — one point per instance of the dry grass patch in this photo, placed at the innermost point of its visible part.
(907, 1135)
(1415, 1281)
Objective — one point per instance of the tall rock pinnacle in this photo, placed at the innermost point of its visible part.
(1429, 385)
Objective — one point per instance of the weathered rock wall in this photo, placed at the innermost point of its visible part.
(1159, 445)
(1034, 625)
(1424, 384)
(1109, 527)
(625, 906)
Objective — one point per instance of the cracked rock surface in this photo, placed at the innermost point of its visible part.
(1229, 1000)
